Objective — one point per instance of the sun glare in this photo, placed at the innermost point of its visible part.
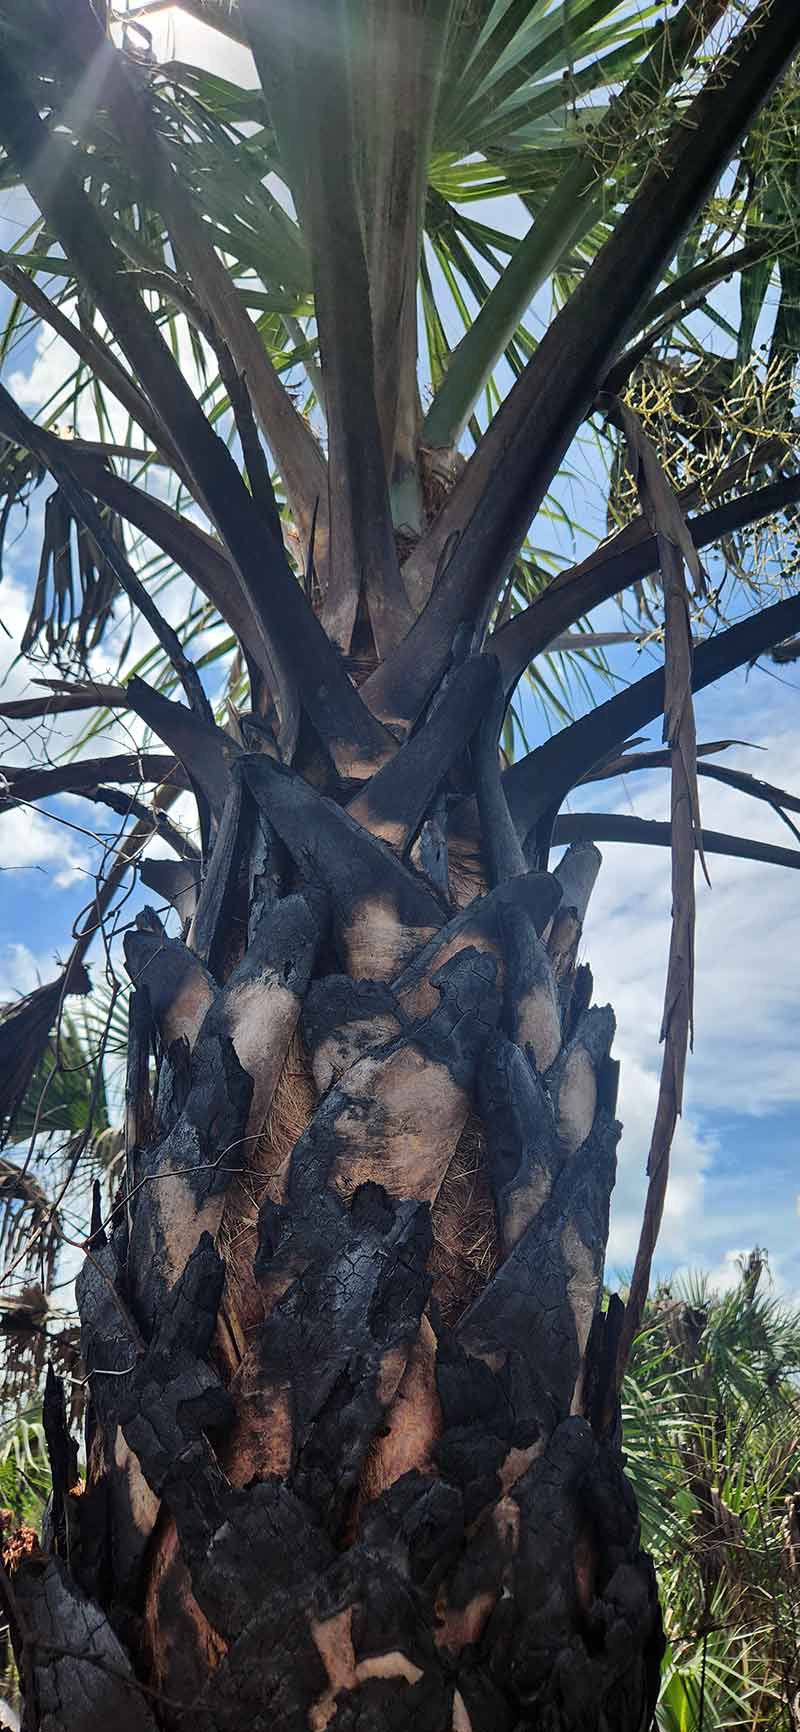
(174, 35)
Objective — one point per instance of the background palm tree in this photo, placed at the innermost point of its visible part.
(712, 1425)
(353, 1444)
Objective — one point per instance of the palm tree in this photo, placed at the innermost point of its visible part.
(353, 1447)
(712, 1426)
(61, 1139)
(24, 1489)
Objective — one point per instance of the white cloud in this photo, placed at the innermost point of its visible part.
(21, 971)
(727, 1272)
(32, 741)
(30, 838)
(15, 608)
(52, 364)
(747, 1015)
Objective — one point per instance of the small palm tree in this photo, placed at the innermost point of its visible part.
(712, 1423)
(24, 1490)
(353, 1443)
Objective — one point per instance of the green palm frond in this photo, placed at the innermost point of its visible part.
(65, 1087)
(24, 1468)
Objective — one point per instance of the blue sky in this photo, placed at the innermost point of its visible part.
(735, 1171)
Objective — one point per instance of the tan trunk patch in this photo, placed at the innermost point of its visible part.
(263, 1016)
(182, 1223)
(523, 1206)
(538, 1025)
(459, 1626)
(585, 1571)
(406, 1116)
(186, 1014)
(346, 1045)
(563, 943)
(577, 1099)
(422, 997)
(333, 1639)
(388, 830)
(260, 1440)
(390, 1372)
(172, 1616)
(515, 1465)
(131, 1484)
(376, 941)
(414, 1422)
(582, 1281)
(393, 1665)
(461, 1721)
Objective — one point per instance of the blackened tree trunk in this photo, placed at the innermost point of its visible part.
(350, 1452)
(354, 1458)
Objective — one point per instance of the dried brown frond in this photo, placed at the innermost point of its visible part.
(24, 1030)
(23, 1543)
(661, 508)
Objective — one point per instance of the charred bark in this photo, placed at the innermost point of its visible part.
(344, 1335)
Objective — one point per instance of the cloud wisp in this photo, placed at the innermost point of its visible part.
(731, 1183)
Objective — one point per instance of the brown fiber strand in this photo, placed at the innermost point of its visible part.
(463, 1218)
(465, 1251)
(293, 1102)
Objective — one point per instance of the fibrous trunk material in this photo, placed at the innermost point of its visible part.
(348, 1460)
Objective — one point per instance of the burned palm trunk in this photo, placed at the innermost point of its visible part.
(353, 1452)
(347, 1356)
